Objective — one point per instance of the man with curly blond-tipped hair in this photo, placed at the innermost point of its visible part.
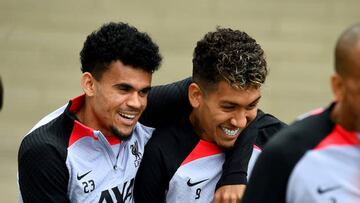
(184, 161)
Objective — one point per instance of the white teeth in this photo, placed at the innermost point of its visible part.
(128, 116)
(231, 132)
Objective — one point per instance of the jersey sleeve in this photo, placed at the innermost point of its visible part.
(273, 168)
(237, 160)
(166, 104)
(268, 126)
(43, 177)
(269, 177)
(151, 181)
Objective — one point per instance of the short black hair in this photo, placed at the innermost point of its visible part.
(345, 44)
(231, 56)
(118, 41)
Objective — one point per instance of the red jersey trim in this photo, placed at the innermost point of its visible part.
(338, 137)
(202, 149)
(77, 103)
(79, 131)
(257, 147)
(113, 140)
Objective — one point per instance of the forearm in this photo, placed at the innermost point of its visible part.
(166, 104)
(150, 182)
(237, 159)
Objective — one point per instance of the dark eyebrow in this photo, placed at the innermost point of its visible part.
(146, 89)
(123, 86)
(130, 87)
(252, 103)
(255, 101)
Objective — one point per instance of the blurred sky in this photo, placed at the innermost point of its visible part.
(40, 43)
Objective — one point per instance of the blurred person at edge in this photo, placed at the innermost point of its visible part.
(1, 94)
(317, 159)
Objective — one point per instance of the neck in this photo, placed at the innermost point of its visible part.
(338, 116)
(80, 115)
(86, 116)
(197, 127)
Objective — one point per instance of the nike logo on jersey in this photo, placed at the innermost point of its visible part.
(82, 176)
(190, 184)
(321, 190)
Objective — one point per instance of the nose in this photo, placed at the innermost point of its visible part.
(134, 101)
(239, 119)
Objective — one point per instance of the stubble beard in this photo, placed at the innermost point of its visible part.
(197, 127)
(119, 135)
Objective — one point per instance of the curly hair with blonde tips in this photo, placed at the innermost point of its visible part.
(229, 55)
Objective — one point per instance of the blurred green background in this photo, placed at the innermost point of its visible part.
(40, 43)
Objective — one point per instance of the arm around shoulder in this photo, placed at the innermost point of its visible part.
(258, 133)
(166, 103)
(150, 182)
(234, 176)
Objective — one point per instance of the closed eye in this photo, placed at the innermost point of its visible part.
(126, 88)
(253, 104)
(251, 107)
(144, 92)
(123, 87)
(228, 107)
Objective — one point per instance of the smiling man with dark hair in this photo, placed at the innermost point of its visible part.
(183, 161)
(81, 152)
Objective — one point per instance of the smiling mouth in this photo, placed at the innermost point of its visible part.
(127, 116)
(231, 133)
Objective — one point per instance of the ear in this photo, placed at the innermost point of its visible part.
(337, 86)
(88, 84)
(195, 95)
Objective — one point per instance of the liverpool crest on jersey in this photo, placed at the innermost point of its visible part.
(135, 151)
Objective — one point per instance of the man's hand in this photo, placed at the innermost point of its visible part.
(229, 194)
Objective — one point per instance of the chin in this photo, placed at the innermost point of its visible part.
(226, 146)
(121, 135)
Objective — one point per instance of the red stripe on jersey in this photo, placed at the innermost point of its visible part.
(112, 140)
(339, 136)
(257, 147)
(79, 131)
(77, 103)
(202, 149)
